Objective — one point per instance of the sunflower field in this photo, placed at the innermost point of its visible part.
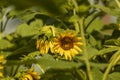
(60, 40)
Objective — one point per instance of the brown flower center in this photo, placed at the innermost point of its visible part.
(67, 43)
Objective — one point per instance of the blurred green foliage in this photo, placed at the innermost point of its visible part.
(102, 40)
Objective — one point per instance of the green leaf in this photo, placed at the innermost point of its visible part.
(107, 10)
(51, 7)
(92, 40)
(4, 44)
(47, 62)
(100, 66)
(25, 30)
(37, 23)
(25, 15)
(97, 74)
(74, 18)
(56, 64)
(96, 24)
(114, 76)
(91, 51)
(60, 74)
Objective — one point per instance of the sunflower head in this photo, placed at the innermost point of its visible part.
(44, 41)
(30, 74)
(67, 45)
(43, 45)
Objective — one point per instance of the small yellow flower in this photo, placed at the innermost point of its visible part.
(67, 45)
(31, 75)
(2, 61)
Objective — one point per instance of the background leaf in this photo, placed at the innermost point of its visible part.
(4, 44)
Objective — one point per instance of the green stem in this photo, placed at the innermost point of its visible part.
(0, 35)
(118, 3)
(75, 4)
(76, 26)
(112, 63)
(85, 50)
(80, 25)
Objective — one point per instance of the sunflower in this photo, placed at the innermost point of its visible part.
(67, 45)
(31, 75)
(2, 61)
(43, 44)
(44, 41)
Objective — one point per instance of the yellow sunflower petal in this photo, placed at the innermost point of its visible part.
(61, 51)
(77, 48)
(37, 44)
(74, 34)
(28, 76)
(1, 67)
(1, 57)
(35, 75)
(67, 55)
(79, 38)
(74, 52)
(56, 47)
(47, 46)
(1, 74)
(78, 44)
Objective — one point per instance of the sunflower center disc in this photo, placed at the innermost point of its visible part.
(67, 43)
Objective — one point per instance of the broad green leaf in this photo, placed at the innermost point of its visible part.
(107, 10)
(60, 74)
(74, 18)
(101, 66)
(91, 51)
(92, 40)
(37, 23)
(52, 7)
(47, 62)
(97, 74)
(96, 25)
(114, 76)
(25, 15)
(4, 44)
(25, 30)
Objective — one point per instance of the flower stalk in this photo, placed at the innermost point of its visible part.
(112, 63)
(80, 24)
(85, 50)
(118, 3)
